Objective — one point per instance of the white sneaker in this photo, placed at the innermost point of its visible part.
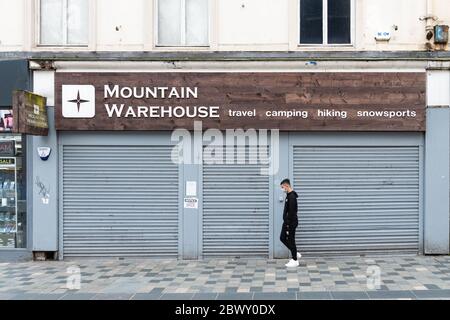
(292, 263)
(299, 255)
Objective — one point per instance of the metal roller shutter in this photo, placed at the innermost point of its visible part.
(235, 209)
(357, 199)
(119, 201)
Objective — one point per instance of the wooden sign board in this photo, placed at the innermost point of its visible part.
(346, 101)
(30, 113)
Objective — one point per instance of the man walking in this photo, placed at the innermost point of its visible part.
(290, 222)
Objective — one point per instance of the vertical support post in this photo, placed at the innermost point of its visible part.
(280, 251)
(437, 164)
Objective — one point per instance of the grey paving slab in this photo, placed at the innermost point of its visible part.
(78, 296)
(176, 296)
(391, 294)
(432, 294)
(320, 295)
(6, 296)
(37, 296)
(157, 290)
(235, 296)
(350, 295)
(205, 296)
(146, 296)
(112, 296)
(275, 296)
(432, 286)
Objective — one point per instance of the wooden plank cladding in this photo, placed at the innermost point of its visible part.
(347, 101)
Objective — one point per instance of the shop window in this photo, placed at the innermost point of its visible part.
(13, 228)
(182, 23)
(325, 22)
(64, 22)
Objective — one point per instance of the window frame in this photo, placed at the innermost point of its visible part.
(157, 45)
(91, 23)
(325, 27)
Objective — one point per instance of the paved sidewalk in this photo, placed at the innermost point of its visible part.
(406, 277)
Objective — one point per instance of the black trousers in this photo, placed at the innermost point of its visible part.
(287, 237)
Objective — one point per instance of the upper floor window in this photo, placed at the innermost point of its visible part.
(64, 22)
(183, 23)
(325, 21)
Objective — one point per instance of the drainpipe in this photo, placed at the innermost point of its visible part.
(429, 18)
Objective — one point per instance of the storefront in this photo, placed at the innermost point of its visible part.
(14, 218)
(129, 184)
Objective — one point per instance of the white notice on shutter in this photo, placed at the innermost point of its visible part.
(191, 188)
(191, 203)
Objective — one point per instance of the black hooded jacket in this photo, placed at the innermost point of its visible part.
(290, 209)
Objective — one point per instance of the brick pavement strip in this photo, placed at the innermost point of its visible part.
(401, 277)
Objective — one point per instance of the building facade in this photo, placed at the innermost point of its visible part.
(348, 98)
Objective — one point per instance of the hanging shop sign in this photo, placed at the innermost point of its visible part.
(286, 101)
(30, 113)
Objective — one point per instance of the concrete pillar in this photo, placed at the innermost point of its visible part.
(437, 164)
(44, 175)
(45, 191)
(192, 188)
(280, 251)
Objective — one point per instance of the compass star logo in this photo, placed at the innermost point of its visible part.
(78, 101)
